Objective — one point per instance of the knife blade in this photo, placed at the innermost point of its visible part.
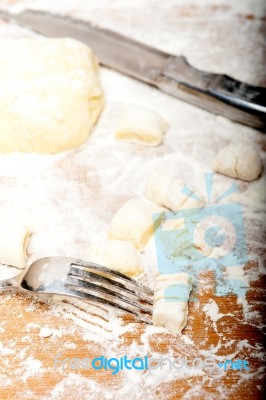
(219, 94)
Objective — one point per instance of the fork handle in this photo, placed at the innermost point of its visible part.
(7, 284)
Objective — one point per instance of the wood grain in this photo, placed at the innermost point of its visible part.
(18, 312)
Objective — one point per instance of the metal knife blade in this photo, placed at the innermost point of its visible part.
(112, 49)
(219, 94)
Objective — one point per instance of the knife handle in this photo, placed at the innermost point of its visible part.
(217, 93)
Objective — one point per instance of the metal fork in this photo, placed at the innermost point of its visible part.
(72, 277)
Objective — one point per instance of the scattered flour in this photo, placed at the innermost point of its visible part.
(212, 310)
(78, 193)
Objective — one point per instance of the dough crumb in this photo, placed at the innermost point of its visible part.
(45, 332)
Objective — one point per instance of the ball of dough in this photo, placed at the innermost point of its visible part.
(166, 191)
(239, 160)
(118, 255)
(50, 94)
(134, 222)
(141, 125)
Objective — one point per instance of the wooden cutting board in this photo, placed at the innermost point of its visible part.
(22, 321)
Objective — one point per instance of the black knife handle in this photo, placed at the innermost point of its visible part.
(217, 93)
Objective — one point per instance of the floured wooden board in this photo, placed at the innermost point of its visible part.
(69, 200)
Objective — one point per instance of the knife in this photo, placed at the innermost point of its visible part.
(217, 93)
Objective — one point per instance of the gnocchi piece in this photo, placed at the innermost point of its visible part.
(118, 255)
(239, 160)
(14, 236)
(166, 191)
(134, 222)
(170, 307)
(141, 125)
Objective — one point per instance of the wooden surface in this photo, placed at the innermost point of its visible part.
(16, 315)
(214, 36)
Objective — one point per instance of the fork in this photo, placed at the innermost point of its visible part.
(72, 277)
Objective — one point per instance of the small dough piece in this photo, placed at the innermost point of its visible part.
(170, 307)
(166, 191)
(239, 160)
(45, 332)
(118, 255)
(134, 222)
(14, 236)
(50, 94)
(141, 125)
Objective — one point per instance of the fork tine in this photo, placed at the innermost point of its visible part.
(81, 264)
(93, 277)
(86, 279)
(92, 287)
(81, 292)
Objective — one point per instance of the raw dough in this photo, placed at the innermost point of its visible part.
(141, 125)
(166, 191)
(45, 332)
(170, 307)
(239, 160)
(118, 255)
(50, 94)
(14, 236)
(134, 222)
